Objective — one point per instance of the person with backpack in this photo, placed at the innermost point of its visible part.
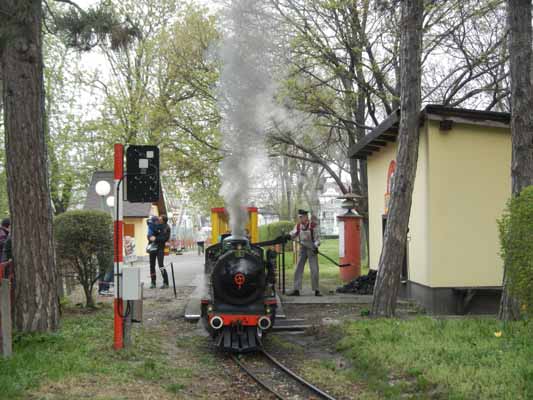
(307, 235)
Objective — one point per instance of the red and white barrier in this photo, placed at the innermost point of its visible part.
(118, 235)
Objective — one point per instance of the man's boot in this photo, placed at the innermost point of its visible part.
(317, 293)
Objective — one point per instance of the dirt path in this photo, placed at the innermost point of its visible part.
(174, 359)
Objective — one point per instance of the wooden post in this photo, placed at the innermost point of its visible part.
(60, 286)
(127, 322)
(5, 305)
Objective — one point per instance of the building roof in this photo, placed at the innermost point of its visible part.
(387, 131)
(93, 201)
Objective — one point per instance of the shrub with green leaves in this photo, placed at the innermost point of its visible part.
(84, 247)
(516, 240)
(275, 229)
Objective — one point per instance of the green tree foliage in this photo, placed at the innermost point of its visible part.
(84, 247)
(85, 29)
(63, 120)
(516, 239)
(161, 91)
(344, 70)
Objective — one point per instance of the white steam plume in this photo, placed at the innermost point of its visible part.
(245, 88)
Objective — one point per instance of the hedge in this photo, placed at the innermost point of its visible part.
(516, 240)
(84, 246)
(275, 229)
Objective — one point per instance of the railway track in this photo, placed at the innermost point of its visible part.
(277, 379)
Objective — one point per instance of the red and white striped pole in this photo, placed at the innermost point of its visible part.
(118, 230)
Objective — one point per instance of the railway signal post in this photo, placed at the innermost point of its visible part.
(142, 185)
(118, 230)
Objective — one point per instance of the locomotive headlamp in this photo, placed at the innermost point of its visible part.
(264, 323)
(268, 310)
(210, 309)
(216, 322)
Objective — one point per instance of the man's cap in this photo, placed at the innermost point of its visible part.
(301, 212)
(6, 222)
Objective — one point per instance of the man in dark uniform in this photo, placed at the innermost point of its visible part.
(307, 235)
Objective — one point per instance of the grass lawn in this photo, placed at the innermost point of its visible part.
(440, 359)
(329, 273)
(81, 351)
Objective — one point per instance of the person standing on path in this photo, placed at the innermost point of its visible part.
(160, 236)
(307, 235)
(200, 240)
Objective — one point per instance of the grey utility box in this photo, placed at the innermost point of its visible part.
(131, 283)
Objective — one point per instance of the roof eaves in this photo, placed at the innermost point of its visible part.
(436, 112)
(388, 129)
(369, 143)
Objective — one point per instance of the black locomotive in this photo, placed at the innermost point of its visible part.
(240, 306)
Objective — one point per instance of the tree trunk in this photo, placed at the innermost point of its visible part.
(390, 263)
(520, 42)
(88, 290)
(37, 307)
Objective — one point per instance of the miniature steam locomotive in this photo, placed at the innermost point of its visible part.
(240, 306)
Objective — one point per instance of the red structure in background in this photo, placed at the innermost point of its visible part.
(350, 245)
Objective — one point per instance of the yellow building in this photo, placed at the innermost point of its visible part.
(135, 215)
(452, 262)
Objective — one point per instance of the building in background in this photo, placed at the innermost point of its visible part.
(330, 207)
(267, 215)
(135, 214)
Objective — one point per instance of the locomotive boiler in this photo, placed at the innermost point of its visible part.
(240, 307)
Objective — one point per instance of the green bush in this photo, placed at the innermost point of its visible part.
(275, 229)
(516, 240)
(84, 246)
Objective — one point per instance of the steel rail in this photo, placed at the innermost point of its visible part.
(256, 378)
(297, 377)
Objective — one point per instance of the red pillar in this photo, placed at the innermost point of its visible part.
(350, 246)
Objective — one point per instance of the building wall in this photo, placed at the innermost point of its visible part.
(377, 167)
(418, 245)
(469, 184)
(140, 230)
